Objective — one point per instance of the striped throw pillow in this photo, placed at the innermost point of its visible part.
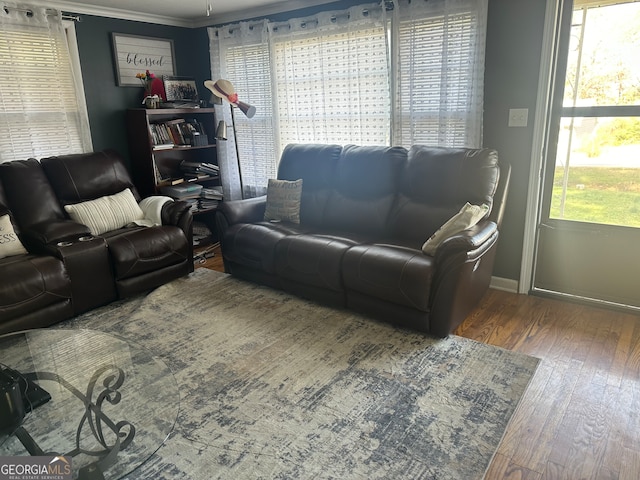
(106, 213)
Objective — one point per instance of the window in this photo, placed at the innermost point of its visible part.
(440, 74)
(241, 55)
(596, 174)
(41, 111)
(332, 79)
(247, 66)
(397, 73)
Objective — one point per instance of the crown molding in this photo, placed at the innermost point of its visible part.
(258, 12)
(71, 7)
(204, 21)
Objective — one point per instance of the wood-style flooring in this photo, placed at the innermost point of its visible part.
(580, 417)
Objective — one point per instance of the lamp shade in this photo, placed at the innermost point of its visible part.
(225, 90)
(221, 131)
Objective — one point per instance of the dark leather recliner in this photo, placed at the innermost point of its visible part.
(69, 271)
(364, 215)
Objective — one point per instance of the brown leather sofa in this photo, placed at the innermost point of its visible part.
(67, 270)
(365, 213)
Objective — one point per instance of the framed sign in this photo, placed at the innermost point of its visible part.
(134, 54)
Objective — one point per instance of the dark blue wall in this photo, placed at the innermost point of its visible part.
(107, 102)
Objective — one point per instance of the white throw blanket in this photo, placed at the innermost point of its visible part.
(152, 208)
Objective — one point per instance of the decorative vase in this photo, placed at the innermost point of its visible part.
(151, 102)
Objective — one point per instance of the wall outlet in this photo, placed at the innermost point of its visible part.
(518, 117)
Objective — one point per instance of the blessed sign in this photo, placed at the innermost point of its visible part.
(135, 54)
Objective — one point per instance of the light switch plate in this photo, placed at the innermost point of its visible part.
(518, 117)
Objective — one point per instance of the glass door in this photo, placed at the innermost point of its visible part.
(588, 243)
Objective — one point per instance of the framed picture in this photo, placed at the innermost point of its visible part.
(134, 54)
(180, 89)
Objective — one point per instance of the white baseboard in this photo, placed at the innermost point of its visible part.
(505, 284)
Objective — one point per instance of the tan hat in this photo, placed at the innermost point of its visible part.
(224, 89)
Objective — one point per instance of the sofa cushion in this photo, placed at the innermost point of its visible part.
(312, 259)
(10, 244)
(283, 200)
(139, 250)
(434, 185)
(396, 274)
(87, 176)
(254, 244)
(316, 165)
(106, 213)
(30, 283)
(28, 193)
(364, 187)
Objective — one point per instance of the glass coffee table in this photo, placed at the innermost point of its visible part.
(113, 404)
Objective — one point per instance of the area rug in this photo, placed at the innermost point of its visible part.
(273, 386)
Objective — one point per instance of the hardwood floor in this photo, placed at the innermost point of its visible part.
(212, 262)
(580, 417)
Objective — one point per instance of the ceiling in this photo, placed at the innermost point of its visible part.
(182, 13)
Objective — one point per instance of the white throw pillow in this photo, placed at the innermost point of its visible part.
(283, 200)
(10, 244)
(467, 217)
(106, 213)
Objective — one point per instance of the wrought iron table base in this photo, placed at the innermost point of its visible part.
(113, 378)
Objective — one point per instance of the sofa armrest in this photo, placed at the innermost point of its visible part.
(463, 268)
(474, 241)
(39, 235)
(249, 210)
(175, 213)
(178, 213)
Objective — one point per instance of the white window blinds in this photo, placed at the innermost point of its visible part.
(40, 114)
(440, 72)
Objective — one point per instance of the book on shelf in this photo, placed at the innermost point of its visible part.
(204, 204)
(199, 169)
(188, 165)
(193, 177)
(163, 146)
(182, 191)
(156, 173)
(212, 193)
(210, 168)
(178, 132)
(170, 181)
(210, 198)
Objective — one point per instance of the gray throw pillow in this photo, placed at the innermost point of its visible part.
(283, 200)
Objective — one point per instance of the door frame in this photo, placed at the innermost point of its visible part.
(542, 131)
(546, 82)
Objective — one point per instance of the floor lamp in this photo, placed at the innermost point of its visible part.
(224, 89)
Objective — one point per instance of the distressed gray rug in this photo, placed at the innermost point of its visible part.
(273, 386)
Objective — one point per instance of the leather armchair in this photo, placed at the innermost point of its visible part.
(67, 269)
(141, 257)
